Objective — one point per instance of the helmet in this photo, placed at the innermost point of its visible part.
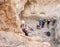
(23, 21)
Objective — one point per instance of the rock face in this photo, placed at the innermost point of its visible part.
(42, 8)
(10, 11)
(16, 40)
(9, 15)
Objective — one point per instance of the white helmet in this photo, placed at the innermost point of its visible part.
(23, 21)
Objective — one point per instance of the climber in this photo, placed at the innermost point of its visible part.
(54, 21)
(43, 23)
(48, 22)
(40, 23)
(24, 27)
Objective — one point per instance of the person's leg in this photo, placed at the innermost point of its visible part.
(26, 34)
(43, 24)
(48, 24)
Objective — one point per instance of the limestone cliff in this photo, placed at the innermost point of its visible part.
(42, 8)
(9, 15)
(10, 11)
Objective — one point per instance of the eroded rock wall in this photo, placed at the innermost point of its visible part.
(42, 8)
(9, 15)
